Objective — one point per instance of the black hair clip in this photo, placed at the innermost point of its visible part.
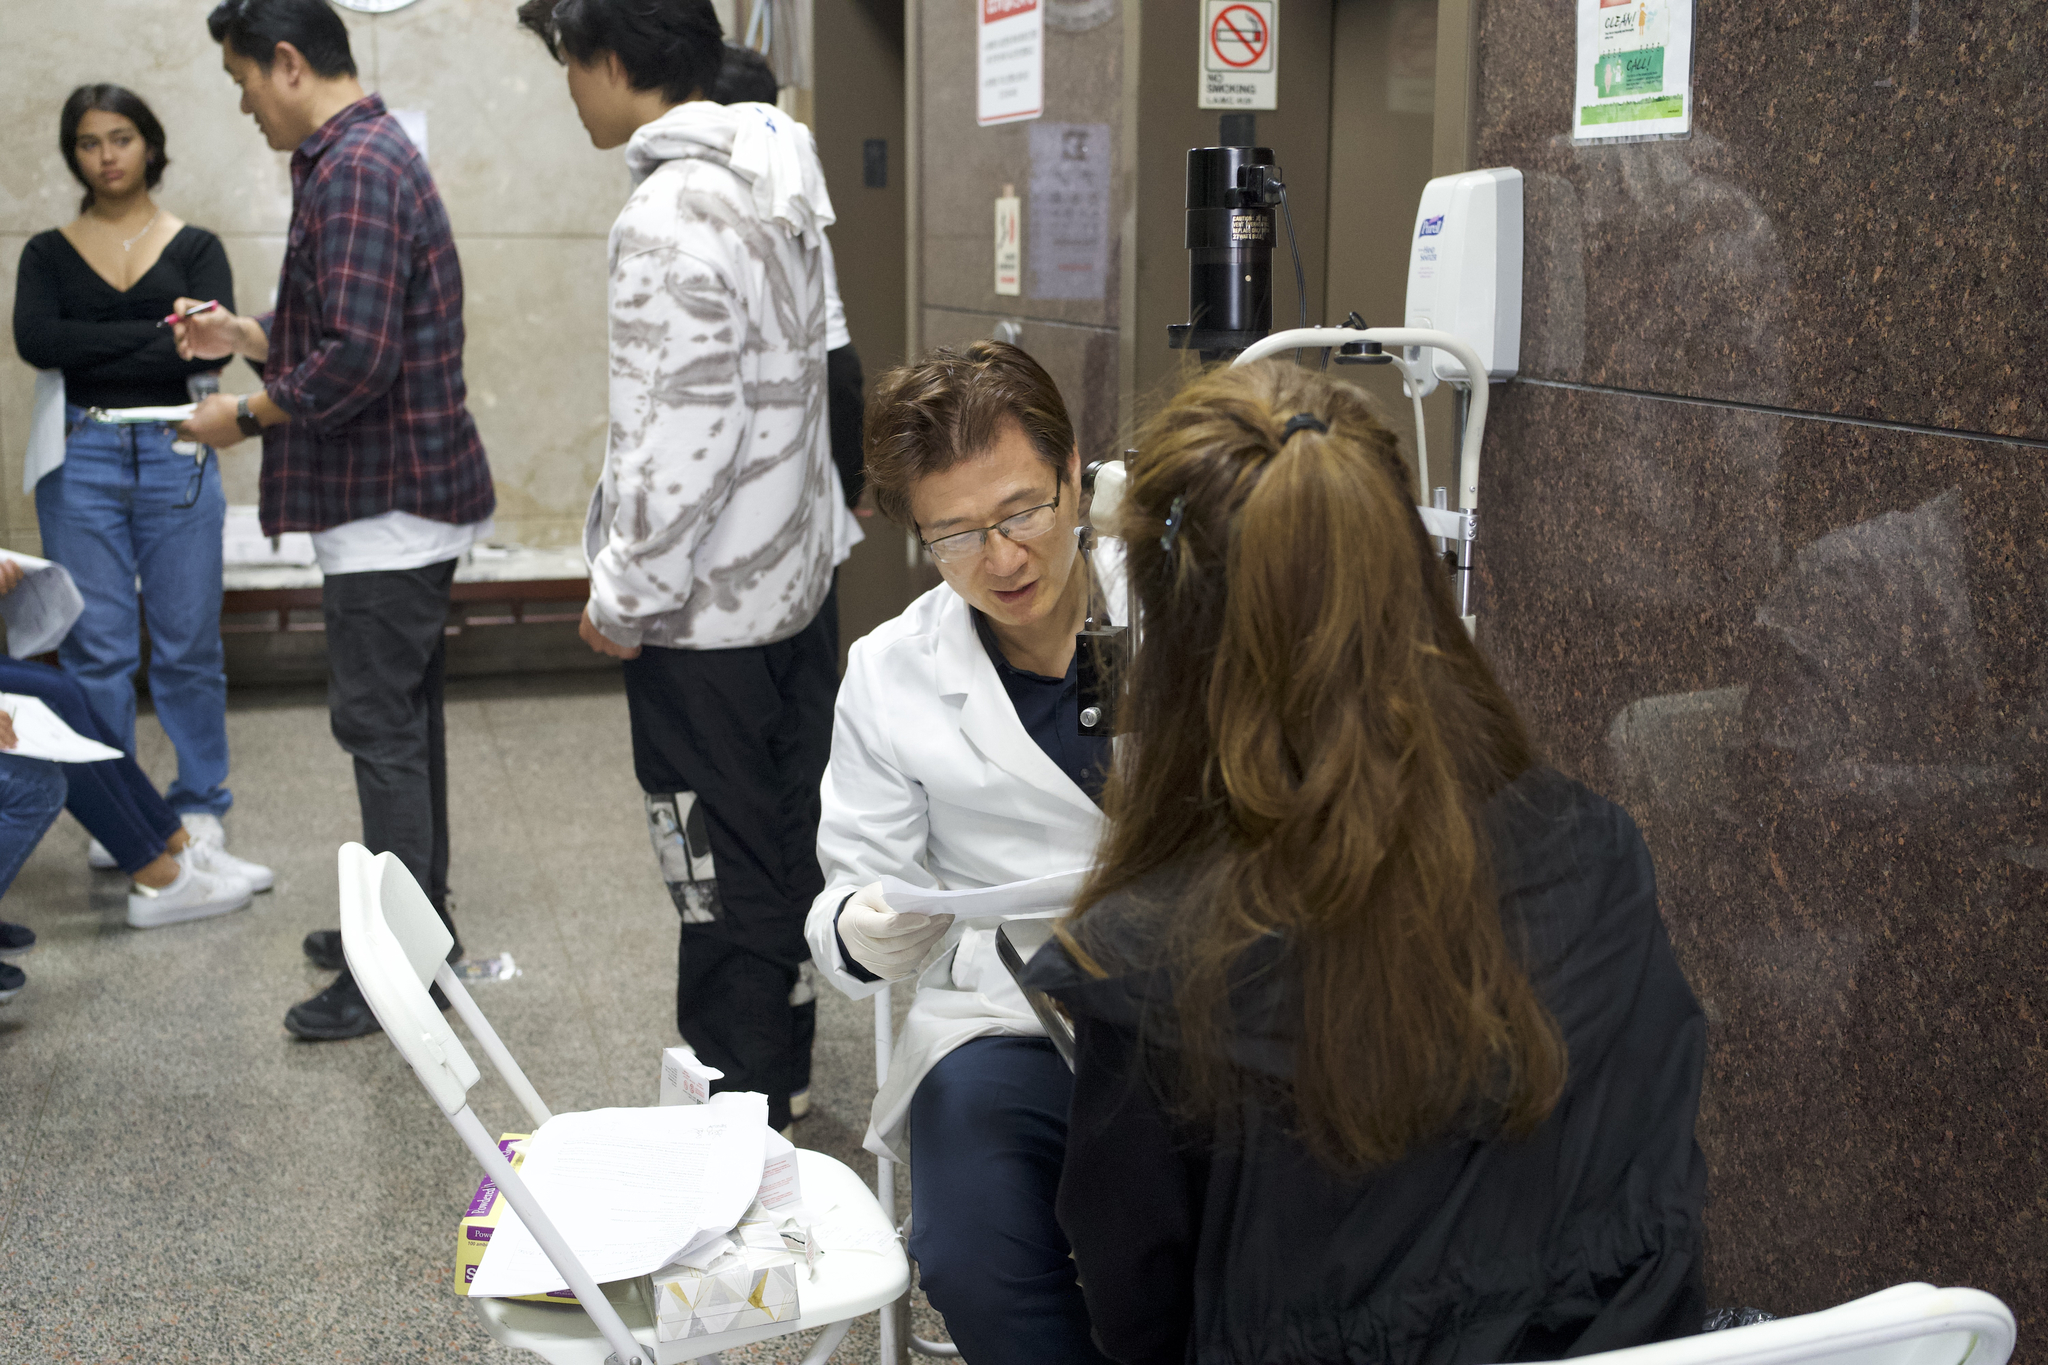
(1303, 421)
(1173, 522)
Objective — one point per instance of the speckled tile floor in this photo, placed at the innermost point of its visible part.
(181, 1180)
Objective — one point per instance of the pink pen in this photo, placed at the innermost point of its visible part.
(194, 311)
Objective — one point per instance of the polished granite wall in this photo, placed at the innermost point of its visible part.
(1765, 558)
(530, 200)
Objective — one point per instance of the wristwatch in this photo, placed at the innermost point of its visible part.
(246, 419)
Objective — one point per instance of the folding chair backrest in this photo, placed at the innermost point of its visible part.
(396, 947)
(1908, 1324)
(393, 958)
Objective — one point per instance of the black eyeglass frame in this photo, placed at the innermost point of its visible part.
(984, 531)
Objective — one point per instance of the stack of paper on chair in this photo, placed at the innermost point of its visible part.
(629, 1190)
(486, 1207)
(747, 1278)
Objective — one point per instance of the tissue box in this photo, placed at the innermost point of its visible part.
(486, 1206)
(684, 1079)
(752, 1282)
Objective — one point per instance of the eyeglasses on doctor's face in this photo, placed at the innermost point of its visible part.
(1028, 524)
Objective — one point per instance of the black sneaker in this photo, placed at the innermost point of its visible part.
(337, 1012)
(12, 979)
(323, 950)
(15, 940)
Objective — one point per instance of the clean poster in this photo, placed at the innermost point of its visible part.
(1634, 70)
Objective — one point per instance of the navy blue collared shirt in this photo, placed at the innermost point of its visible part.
(1050, 710)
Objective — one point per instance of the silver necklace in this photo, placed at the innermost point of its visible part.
(130, 243)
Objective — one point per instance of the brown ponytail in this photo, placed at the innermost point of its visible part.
(1312, 733)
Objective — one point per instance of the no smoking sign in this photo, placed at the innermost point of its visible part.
(1240, 66)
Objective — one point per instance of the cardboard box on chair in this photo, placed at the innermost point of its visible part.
(485, 1208)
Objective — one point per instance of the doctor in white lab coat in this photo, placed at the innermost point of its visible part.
(957, 762)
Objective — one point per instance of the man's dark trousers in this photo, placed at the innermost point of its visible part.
(749, 731)
(387, 661)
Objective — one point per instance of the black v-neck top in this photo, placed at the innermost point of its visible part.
(106, 340)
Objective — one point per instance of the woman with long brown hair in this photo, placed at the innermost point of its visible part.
(1382, 1051)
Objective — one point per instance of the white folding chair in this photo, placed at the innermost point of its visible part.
(396, 946)
(895, 1321)
(1908, 1324)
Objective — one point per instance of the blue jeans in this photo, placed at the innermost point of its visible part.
(31, 794)
(125, 505)
(988, 1133)
(113, 799)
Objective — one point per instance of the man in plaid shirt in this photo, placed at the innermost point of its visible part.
(367, 442)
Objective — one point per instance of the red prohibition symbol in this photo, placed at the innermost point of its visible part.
(1239, 28)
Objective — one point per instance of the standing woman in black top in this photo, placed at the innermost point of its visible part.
(132, 501)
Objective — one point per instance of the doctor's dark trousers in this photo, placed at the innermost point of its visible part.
(749, 731)
(988, 1134)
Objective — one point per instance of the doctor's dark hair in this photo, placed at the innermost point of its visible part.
(953, 405)
(674, 46)
(1309, 738)
(111, 99)
(254, 28)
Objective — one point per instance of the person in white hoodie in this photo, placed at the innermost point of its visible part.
(714, 530)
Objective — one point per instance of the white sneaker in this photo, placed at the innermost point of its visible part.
(196, 894)
(98, 859)
(210, 842)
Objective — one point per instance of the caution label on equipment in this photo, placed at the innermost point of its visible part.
(1240, 66)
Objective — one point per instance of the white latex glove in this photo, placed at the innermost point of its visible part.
(889, 943)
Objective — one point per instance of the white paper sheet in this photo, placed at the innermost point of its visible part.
(843, 1229)
(985, 907)
(629, 1189)
(41, 611)
(40, 732)
(129, 417)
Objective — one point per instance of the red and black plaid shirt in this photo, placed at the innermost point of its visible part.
(366, 342)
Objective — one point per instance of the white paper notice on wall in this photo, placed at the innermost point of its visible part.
(1009, 66)
(1240, 66)
(414, 121)
(1009, 249)
(1069, 210)
(1635, 70)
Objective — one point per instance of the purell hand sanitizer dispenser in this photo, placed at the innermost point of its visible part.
(1465, 268)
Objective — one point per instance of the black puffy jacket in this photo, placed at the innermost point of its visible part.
(1231, 1244)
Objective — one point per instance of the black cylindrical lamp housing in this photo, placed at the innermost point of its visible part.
(1230, 252)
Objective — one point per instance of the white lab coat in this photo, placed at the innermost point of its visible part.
(933, 779)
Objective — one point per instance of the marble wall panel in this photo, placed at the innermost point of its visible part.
(535, 362)
(1853, 226)
(222, 174)
(503, 138)
(966, 166)
(1081, 360)
(1806, 655)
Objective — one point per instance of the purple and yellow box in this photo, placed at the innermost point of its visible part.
(485, 1208)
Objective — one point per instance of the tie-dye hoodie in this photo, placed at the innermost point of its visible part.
(717, 521)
